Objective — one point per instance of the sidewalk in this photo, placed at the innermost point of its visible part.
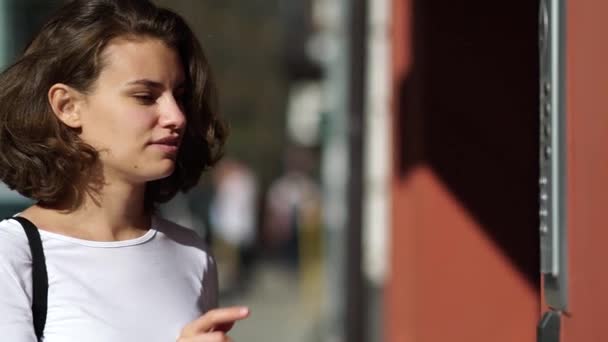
(281, 310)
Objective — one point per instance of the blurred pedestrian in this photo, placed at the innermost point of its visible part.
(234, 216)
(292, 207)
(109, 112)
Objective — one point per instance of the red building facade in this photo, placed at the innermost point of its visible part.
(465, 263)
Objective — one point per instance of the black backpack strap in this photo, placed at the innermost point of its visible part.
(39, 276)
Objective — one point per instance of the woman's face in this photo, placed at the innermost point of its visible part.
(133, 115)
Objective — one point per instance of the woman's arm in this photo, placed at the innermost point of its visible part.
(16, 324)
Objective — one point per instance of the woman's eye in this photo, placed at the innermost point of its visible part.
(145, 98)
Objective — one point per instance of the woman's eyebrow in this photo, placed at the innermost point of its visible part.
(154, 84)
(147, 83)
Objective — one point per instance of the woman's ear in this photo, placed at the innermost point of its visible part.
(65, 102)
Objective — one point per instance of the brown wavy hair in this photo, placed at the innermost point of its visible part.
(42, 158)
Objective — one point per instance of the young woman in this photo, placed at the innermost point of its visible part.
(109, 112)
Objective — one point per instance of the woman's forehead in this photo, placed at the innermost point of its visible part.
(128, 60)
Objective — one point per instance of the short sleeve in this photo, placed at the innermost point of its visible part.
(16, 324)
(202, 260)
(209, 295)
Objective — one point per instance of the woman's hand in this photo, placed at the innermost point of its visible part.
(213, 325)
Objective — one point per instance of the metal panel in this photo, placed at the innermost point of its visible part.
(549, 327)
(552, 152)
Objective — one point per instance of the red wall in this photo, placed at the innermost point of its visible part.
(587, 120)
(465, 228)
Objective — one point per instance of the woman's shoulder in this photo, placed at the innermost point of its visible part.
(14, 247)
(180, 234)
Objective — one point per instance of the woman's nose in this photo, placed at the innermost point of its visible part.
(172, 115)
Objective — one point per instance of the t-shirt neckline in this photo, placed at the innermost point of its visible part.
(103, 244)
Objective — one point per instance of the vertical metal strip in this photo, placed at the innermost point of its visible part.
(553, 152)
(549, 327)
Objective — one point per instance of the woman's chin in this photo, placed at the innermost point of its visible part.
(161, 172)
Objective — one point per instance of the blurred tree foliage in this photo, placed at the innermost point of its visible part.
(242, 40)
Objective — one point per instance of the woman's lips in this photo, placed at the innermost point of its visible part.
(167, 144)
(166, 147)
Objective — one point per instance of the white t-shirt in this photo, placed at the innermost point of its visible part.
(144, 289)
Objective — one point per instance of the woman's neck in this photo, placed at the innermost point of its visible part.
(115, 212)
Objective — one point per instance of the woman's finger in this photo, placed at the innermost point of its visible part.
(217, 319)
(207, 337)
(225, 327)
